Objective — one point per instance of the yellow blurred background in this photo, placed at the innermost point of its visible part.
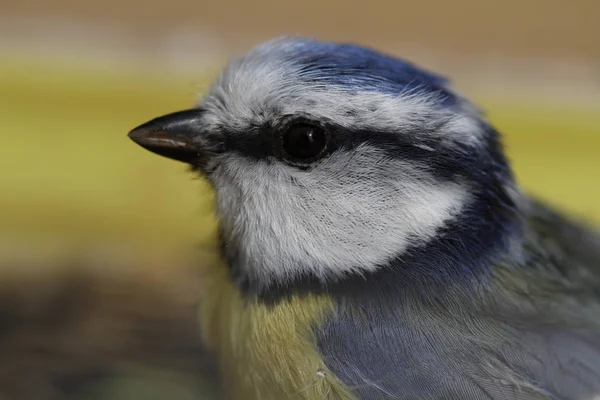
(75, 77)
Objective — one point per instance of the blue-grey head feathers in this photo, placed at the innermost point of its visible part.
(414, 180)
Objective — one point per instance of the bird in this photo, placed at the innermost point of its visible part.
(374, 241)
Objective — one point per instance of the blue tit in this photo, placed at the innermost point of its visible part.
(374, 243)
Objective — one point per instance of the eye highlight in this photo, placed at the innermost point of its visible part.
(304, 143)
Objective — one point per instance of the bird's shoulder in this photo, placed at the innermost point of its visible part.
(562, 242)
(560, 260)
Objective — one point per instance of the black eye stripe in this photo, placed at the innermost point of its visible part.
(255, 143)
(266, 143)
(309, 138)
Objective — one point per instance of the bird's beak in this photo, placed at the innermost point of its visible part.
(173, 135)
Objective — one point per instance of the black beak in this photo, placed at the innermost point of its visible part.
(173, 135)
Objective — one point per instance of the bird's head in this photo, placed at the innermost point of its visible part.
(331, 161)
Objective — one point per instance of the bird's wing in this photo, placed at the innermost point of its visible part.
(567, 248)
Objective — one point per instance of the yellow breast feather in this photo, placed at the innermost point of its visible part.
(266, 351)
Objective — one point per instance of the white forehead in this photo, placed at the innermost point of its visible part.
(267, 83)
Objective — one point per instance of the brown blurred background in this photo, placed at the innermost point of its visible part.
(99, 241)
(551, 38)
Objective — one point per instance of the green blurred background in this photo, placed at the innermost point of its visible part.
(76, 76)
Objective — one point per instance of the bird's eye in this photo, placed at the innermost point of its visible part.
(304, 142)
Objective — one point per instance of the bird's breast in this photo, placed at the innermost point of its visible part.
(266, 351)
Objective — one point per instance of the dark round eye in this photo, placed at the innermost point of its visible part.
(304, 142)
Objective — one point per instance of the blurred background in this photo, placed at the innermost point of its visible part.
(79, 199)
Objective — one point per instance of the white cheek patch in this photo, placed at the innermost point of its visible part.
(352, 213)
